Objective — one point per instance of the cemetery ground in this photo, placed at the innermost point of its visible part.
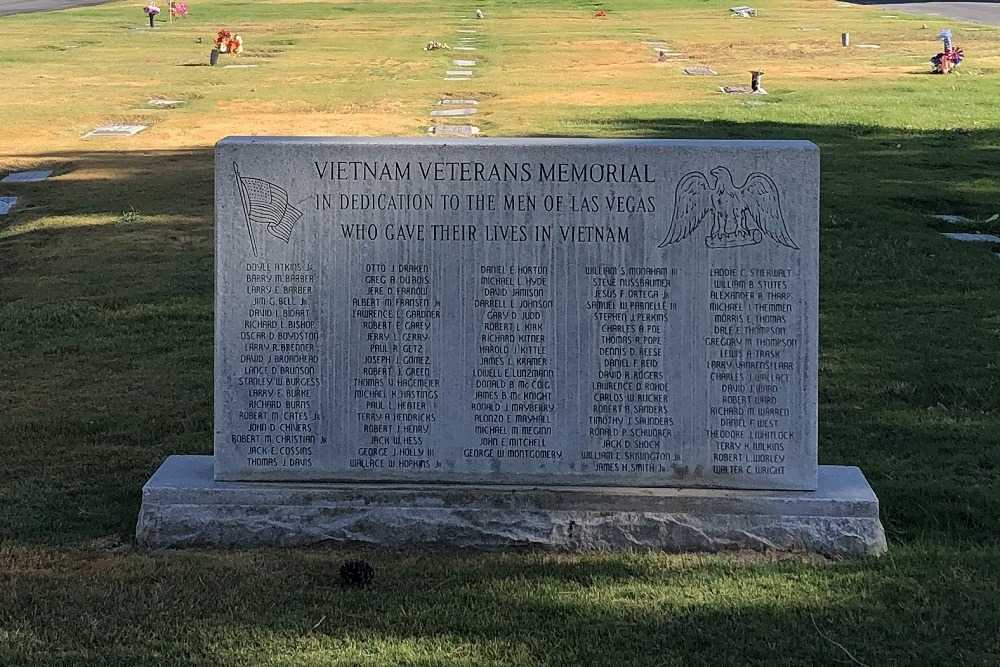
(106, 331)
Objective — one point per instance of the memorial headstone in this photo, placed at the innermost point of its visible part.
(626, 329)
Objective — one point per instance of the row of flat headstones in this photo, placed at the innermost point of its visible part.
(461, 108)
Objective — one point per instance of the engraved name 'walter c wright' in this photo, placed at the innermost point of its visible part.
(741, 215)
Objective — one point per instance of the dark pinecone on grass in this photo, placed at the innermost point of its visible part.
(356, 573)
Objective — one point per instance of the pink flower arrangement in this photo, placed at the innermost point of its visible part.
(151, 9)
(178, 10)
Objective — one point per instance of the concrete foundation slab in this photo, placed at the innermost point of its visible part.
(182, 506)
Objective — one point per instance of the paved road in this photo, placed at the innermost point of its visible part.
(8, 7)
(977, 12)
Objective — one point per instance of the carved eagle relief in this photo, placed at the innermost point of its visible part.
(740, 215)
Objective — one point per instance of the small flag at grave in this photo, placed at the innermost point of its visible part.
(265, 203)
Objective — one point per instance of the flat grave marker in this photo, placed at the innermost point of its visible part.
(7, 203)
(26, 177)
(699, 70)
(455, 112)
(165, 103)
(458, 72)
(457, 101)
(463, 63)
(976, 238)
(453, 130)
(116, 131)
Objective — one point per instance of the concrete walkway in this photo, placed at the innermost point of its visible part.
(976, 12)
(10, 7)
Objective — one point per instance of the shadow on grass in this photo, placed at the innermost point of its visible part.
(107, 328)
(270, 607)
(108, 183)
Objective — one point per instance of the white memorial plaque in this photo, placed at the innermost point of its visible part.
(517, 311)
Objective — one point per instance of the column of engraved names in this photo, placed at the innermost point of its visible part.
(512, 406)
(396, 392)
(279, 361)
(749, 366)
(630, 419)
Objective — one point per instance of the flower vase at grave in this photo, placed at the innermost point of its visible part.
(214, 58)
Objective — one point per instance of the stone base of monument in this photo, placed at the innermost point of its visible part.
(182, 506)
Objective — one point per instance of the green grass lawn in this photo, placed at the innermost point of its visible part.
(106, 332)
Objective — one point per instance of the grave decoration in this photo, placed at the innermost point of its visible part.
(178, 10)
(226, 42)
(436, 46)
(601, 14)
(151, 11)
(948, 59)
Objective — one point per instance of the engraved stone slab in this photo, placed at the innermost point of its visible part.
(463, 63)
(699, 70)
(517, 311)
(183, 507)
(464, 48)
(456, 101)
(165, 103)
(26, 177)
(237, 66)
(459, 72)
(466, 32)
(453, 130)
(116, 131)
(7, 203)
(454, 112)
(457, 78)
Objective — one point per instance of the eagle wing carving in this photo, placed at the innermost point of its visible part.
(692, 202)
(759, 196)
